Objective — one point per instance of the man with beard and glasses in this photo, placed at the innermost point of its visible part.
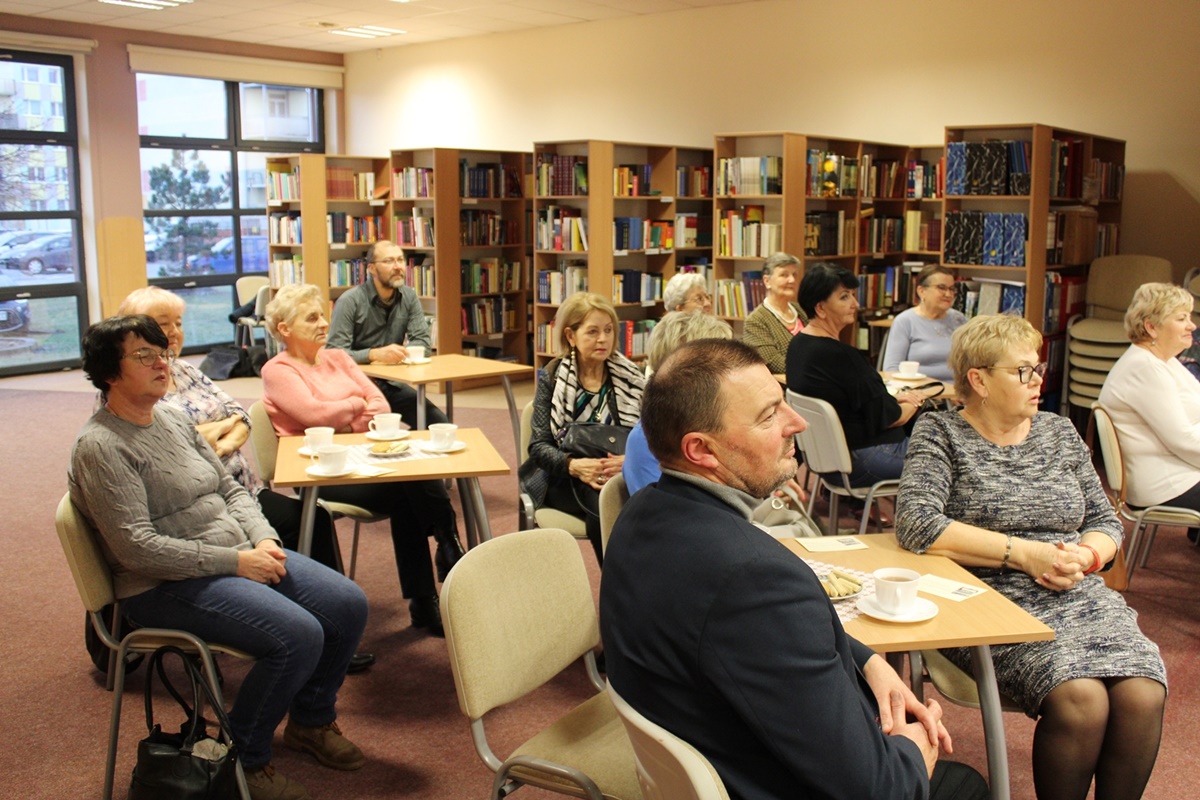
(377, 321)
(716, 631)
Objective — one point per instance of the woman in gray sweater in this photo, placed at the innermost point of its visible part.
(189, 548)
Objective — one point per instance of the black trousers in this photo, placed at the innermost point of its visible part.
(576, 497)
(954, 781)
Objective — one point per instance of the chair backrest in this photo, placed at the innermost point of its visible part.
(1110, 448)
(93, 577)
(668, 768)
(265, 441)
(526, 431)
(517, 611)
(1112, 280)
(612, 500)
(261, 300)
(248, 286)
(823, 441)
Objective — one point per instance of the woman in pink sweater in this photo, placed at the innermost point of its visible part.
(308, 385)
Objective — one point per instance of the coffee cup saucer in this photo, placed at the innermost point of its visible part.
(416, 361)
(376, 436)
(306, 451)
(453, 448)
(922, 610)
(916, 376)
(315, 471)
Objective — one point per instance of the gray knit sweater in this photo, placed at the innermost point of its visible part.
(164, 506)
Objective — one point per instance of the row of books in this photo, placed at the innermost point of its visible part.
(556, 285)
(750, 175)
(925, 179)
(828, 233)
(343, 183)
(635, 286)
(561, 175)
(989, 296)
(343, 228)
(482, 227)
(1109, 178)
(693, 181)
(632, 336)
(412, 182)
(1067, 167)
(995, 167)
(891, 285)
(991, 238)
(488, 315)
(631, 180)
(831, 174)
(284, 227)
(347, 272)
(283, 187)
(881, 234)
(415, 230)
(484, 275)
(639, 233)
(922, 234)
(744, 234)
(488, 179)
(737, 297)
(284, 270)
(561, 228)
(1066, 296)
(421, 275)
(693, 229)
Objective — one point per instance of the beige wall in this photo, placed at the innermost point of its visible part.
(871, 69)
(112, 152)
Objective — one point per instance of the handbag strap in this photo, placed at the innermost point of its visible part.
(201, 693)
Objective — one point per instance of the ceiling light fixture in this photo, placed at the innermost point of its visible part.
(368, 32)
(149, 5)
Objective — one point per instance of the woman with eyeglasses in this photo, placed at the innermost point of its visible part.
(1155, 402)
(922, 333)
(1010, 493)
(190, 549)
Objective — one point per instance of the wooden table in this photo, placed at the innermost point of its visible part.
(977, 622)
(449, 368)
(478, 459)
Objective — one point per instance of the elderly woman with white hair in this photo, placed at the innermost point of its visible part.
(687, 291)
(1155, 402)
(1010, 493)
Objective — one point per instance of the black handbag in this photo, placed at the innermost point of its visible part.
(187, 765)
(593, 440)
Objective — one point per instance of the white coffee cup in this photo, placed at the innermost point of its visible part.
(896, 589)
(385, 424)
(315, 437)
(331, 458)
(416, 352)
(909, 368)
(441, 435)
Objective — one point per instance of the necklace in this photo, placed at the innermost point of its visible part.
(785, 320)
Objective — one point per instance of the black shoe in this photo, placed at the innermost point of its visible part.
(449, 551)
(425, 612)
(360, 662)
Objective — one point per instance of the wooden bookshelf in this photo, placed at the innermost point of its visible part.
(317, 194)
(606, 215)
(464, 214)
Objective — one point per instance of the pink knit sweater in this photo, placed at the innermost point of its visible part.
(335, 393)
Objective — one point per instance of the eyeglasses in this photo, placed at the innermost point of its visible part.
(390, 262)
(1025, 372)
(948, 288)
(150, 357)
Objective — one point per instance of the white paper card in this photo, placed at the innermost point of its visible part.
(827, 544)
(368, 471)
(951, 590)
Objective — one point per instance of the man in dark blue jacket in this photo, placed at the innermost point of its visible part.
(717, 632)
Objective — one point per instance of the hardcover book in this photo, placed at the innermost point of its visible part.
(956, 168)
(993, 239)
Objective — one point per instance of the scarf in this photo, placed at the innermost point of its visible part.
(626, 381)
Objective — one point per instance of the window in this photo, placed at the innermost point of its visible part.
(43, 306)
(204, 145)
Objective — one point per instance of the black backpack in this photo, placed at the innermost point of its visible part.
(227, 361)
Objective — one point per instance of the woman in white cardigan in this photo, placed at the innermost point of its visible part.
(1155, 402)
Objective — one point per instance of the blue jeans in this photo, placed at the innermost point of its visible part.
(879, 463)
(302, 631)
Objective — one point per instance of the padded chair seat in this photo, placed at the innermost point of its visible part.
(1095, 350)
(553, 518)
(1088, 362)
(592, 739)
(1088, 376)
(1101, 331)
(956, 685)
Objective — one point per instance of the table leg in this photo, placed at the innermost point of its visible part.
(481, 518)
(421, 407)
(308, 518)
(450, 400)
(469, 513)
(993, 721)
(512, 412)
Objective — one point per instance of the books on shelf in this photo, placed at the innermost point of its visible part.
(283, 187)
(344, 183)
(831, 174)
(554, 286)
(488, 315)
(631, 180)
(561, 175)
(990, 238)
(484, 227)
(887, 286)
(347, 272)
(488, 180)
(1109, 180)
(693, 181)
(632, 336)
(880, 234)
(737, 297)
(485, 275)
(561, 228)
(1000, 297)
(421, 274)
(1065, 297)
(412, 183)
(750, 175)
(744, 234)
(343, 228)
(925, 179)
(285, 227)
(417, 230)
(284, 270)
(1066, 167)
(635, 286)
(638, 233)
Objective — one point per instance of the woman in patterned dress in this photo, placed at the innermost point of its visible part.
(1011, 494)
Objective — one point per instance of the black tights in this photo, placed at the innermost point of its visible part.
(1107, 729)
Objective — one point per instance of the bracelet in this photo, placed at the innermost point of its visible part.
(1096, 554)
(1007, 553)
